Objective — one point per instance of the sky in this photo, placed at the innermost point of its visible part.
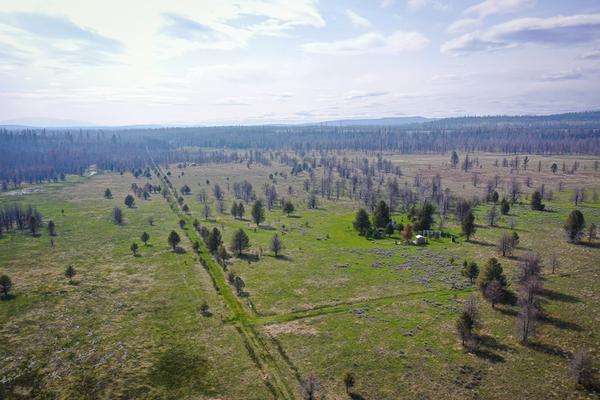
(230, 62)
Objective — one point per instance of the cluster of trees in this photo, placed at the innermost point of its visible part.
(20, 217)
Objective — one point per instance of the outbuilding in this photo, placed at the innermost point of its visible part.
(420, 239)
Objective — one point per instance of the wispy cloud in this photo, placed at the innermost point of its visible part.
(54, 37)
(371, 43)
(416, 5)
(550, 31)
(589, 55)
(477, 13)
(357, 20)
(492, 7)
(359, 94)
(385, 3)
(577, 73)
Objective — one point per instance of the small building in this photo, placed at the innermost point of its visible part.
(420, 239)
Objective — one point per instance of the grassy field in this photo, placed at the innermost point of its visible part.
(131, 327)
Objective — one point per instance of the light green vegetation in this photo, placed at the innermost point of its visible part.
(131, 327)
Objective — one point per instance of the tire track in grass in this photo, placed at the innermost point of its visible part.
(272, 373)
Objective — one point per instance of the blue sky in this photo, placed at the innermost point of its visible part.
(258, 61)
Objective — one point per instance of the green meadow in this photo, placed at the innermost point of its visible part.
(333, 301)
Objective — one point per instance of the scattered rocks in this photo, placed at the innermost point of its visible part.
(343, 265)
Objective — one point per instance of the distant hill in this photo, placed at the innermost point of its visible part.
(39, 122)
(378, 122)
(587, 119)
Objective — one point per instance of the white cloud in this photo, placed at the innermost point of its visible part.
(359, 94)
(416, 5)
(234, 101)
(491, 7)
(357, 20)
(385, 3)
(464, 25)
(371, 43)
(485, 9)
(576, 73)
(589, 55)
(549, 31)
(32, 37)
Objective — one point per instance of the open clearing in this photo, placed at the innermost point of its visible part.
(131, 327)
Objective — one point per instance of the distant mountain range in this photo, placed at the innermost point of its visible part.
(380, 121)
(586, 118)
(39, 122)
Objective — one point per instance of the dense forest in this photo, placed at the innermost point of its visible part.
(37, 155)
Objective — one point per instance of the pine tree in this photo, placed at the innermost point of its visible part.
(361, 221)
(173, 239)
(257, 212)
(574, 226)
(145, 237)
(381, 215)
(491, 270)
(240, 241)
(468, 225)
(536, 201)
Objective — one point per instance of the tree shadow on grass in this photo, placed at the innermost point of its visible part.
(489, 355)
(562, 324)
(148, 245)
(595, 245)
(267, 228)
(8, 297)
(550, 349)
(37, 235)
(356, 396)
(507, 311)
(249, 257)
(137, 255)
(294, 216)
(557, 296)
(73, 283)
(180, 250)
(482, 243)
(283, 257)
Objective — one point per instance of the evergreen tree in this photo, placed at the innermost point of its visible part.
(361, 221)
(234, 209)
(381, 215)
(70, 273)
(173, 239)
(536, 201)
(213, 240)
(504, 206)
(288, 207)
(107, 193)
(574, 226)
(6, 284)
(240, 241)
(145, 237)
(51, 228)
(424, 217)
(491, 270)
(129, 200)
(468, 225)
(134, 247)
(389, 229)
(470, 270)
(257, 212)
